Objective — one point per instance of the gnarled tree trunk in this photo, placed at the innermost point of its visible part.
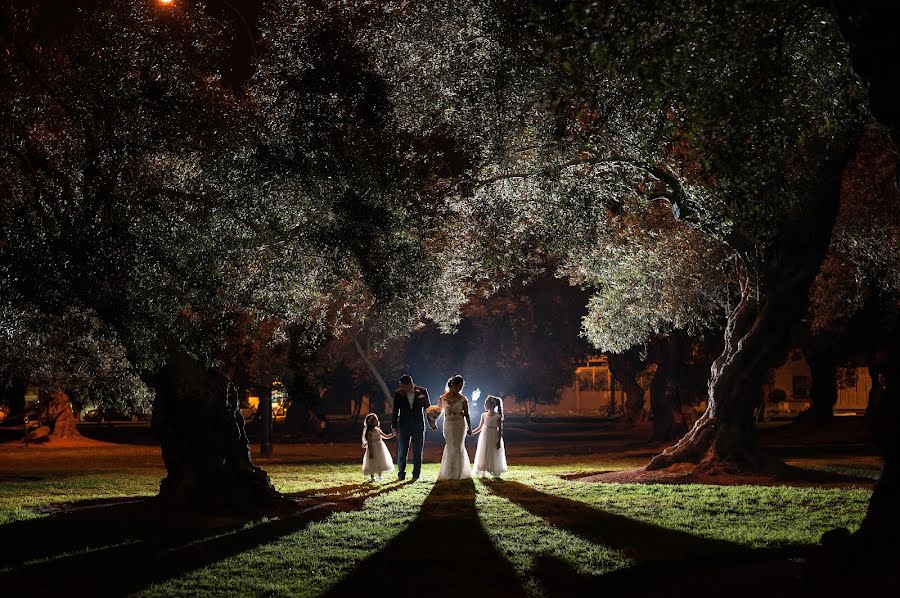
(58, 411)
(625, 368)
(758, 333)
(880, 530)
(197, 420)
(755, 339)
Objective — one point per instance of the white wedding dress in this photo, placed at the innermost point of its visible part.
(488, 458)
(455, 463)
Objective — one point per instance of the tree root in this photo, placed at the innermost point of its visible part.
(716, 448)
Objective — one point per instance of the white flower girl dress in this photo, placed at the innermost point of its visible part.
(488, 458)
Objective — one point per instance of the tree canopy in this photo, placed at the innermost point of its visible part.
(386, 162)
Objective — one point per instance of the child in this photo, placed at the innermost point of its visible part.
(490, 456)
(377, 459)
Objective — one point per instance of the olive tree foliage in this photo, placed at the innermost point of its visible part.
(728, 111)
(140, 191)
(100, 257)
(73, 351)
(652, 275)
(560, 127)
(567, 121)
(353, 184)
(863, 261)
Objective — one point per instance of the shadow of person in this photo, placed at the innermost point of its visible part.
(80, 526)
(361, 490)
(123, 547)
(638, 540)
(344, 490)
(778, 578)
(668, 560)
(445, 551)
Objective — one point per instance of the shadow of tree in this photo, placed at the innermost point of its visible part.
(122, 547)
(438, 554)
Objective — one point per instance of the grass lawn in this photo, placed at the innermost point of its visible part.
(504, 530)
(31, 496)
(529, 534)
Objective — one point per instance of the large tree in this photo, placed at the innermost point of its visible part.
(739, 116)
(558, 125)
(754, 170)
(111, 122)
(855, 300)
(141, 190)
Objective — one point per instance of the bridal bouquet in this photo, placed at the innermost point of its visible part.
(433, 413)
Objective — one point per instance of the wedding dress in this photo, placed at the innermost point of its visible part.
(455, 462)
(488, 458)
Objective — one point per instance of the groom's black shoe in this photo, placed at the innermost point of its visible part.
(401, 476)
(415, 478)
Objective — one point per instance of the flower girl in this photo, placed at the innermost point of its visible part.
(490, 456)
(377, 459)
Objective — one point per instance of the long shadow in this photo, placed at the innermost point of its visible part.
(363, 490)
(344, 490)
(668, 561)
(92, 524)
(445, 551)
(636, 539)
(733, 578)
(123, 548)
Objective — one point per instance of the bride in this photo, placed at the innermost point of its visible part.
(455, 462)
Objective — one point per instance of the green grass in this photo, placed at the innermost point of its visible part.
(755, 516)
(526, 518)
(310, 561)
(27, 497)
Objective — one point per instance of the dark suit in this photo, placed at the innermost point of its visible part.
(411, 424)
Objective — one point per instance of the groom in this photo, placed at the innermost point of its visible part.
(410, 403)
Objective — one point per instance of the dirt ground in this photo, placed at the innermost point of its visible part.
(608, 445)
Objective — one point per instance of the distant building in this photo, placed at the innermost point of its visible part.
(853, 386)
(593, 392)
(787, 388)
